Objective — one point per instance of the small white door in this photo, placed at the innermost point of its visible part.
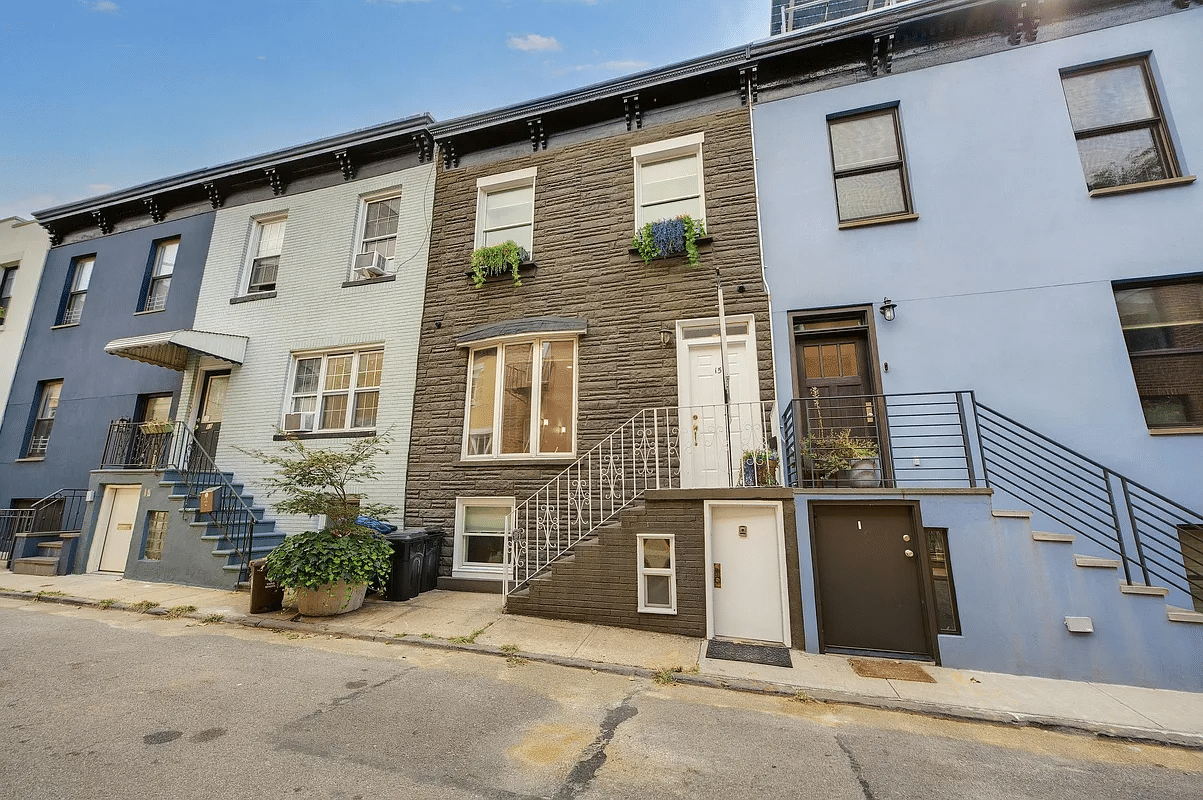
(747, 572)
(119, 530)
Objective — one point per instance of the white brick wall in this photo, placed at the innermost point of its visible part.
(312, 311)
(22, 244)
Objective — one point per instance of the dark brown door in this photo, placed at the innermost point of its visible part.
(835, 384)
(869, 579)
(212, 404)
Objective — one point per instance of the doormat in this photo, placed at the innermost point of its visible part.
(890, 670)
(750, 653)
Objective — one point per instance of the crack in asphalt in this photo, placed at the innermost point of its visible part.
(594, 755)
(856, 769)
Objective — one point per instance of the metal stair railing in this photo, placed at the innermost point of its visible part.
(718, 445)
(59, 511)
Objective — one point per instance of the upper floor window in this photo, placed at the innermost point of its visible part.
(869, 167)
(8, 275)
(266, 245)
(505, 209)
(668, 180)
(335, 391)
(81, 276)
(521, 399)
(378, 237)
(1163, 329)
(45, 409)
(160, 275)
(1118, 123)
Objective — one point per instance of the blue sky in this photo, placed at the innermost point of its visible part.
(105, 94)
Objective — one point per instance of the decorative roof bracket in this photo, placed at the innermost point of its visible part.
(630, 109)
(1027, 21)
(538, 134)
(276, 181)
(749, 90)
(106, 227)
(215, 198)
(344, 163)
(425, 144)
(882, 62)
(56, 238)
(153, 208)
(450, 157)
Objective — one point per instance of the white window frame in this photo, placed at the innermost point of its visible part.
(643, 572)
(39, 442)
(460, 568)
(320, 392)
(73, 314)
(157, 276)
(8, 278)
(536, 343)
(253, 255)
(667, 150)
(516, 179)
(361, 222)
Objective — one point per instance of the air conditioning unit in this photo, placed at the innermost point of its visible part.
(370, 265)
(298, 422)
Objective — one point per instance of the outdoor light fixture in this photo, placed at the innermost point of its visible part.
(666, 336)
(887, 309)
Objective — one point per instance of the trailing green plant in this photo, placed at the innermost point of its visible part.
(833, 450)
(668, 237)
(759, 467)
(316, 482)
(497, 259)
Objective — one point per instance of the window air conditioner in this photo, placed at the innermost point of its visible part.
(298, 422)
(370, 265)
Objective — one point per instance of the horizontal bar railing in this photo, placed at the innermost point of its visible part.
(672, 447)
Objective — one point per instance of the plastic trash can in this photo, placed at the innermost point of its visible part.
(433, 550)
(409, 551)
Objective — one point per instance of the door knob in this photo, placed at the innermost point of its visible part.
(909, 553)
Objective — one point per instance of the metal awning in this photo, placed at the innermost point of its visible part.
(170, 349)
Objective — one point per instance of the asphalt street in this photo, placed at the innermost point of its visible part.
(102, 704)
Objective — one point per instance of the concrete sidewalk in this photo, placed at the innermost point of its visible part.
(477, 623)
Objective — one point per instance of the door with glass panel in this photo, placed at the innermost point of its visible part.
(212, 405)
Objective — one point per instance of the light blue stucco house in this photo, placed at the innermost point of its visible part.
(980, 236)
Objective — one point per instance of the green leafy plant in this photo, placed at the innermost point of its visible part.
(315, 482)
(470, 638)
(668, 237)
(143, 606)
(497, 259)
(209, 618)
(759, 467)
(175, 612)
(107, 602)
(833, 450)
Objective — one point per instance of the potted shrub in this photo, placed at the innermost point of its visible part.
(668, 237)
(497, 259)
(837, 454)
(759, 467)
(330, 568)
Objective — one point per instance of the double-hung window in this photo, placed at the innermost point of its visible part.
(8, 275)
(160, 275)
(521, 399)
(657, 573)
(265, 263)
(1118, 124)
(1162, 323)
(47, 408)
(480, 535)
(869, 167)
(378, 237)
(81, 276)
(668, 180)
(335, 391)
(505, 209)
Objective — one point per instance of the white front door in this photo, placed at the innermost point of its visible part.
(122, 503)
(747, 572)
(714, 434)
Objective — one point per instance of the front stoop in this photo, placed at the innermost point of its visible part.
(36, 565)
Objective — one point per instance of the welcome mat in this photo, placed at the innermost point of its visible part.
(750, 653)
(890, 670)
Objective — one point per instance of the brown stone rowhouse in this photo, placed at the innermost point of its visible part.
(584, 220)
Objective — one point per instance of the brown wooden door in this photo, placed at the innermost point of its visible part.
(836, 370)
(870, 591)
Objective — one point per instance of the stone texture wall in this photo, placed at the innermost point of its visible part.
(584, 220)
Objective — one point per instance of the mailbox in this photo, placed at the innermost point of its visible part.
(206, 500)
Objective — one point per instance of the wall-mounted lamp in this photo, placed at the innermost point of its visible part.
(667, 335)
(887, 309)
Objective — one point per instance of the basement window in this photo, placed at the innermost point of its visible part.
(156, 533)
(657, 574)
(947, 619)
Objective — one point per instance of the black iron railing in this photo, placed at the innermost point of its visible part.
(141, 445)
(59, 512)
(949, 440)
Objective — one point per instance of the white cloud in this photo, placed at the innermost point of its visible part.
(533, 42)
(100, 188)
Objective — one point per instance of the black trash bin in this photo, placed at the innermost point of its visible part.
(409, 551)
(265, 595)
(433, 550)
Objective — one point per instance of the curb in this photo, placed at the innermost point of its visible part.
(941, 711)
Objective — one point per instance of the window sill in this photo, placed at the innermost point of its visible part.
(479, 573)
(30, 459)
(369, 281)
(152, 311)
(1165, 183)
(518, 461)
(525, 269)
(705, 245)
(668, 611)
(64, 325)
(284, 437)
(1184, 430)
(865, 223)
(253, 296)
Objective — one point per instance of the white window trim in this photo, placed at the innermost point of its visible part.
(664, 151)
(157, 277)
(496, 183)
(536, 379)
(643, 571)
(458, 568)
(354, 350)
(252, 250)
(361, 219)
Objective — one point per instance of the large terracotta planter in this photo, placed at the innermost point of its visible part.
(330, 599)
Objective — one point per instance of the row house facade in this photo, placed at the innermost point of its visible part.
(23, 246)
